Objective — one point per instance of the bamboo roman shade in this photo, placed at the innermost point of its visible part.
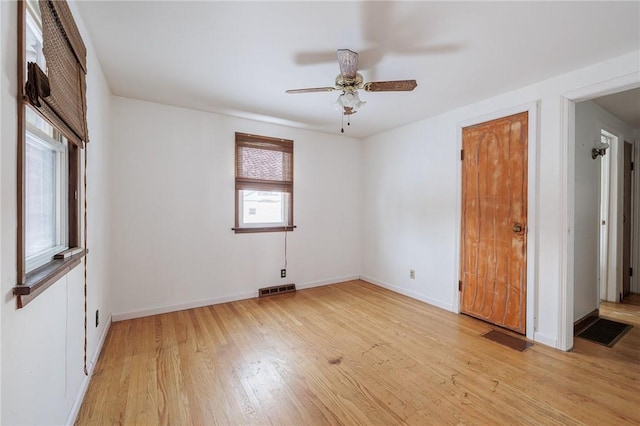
(264, 164)
(60, 93)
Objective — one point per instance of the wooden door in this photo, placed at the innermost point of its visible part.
(626, 222)
(494, 222)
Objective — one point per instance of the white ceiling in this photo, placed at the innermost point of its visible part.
(624, 105)
(238, 58)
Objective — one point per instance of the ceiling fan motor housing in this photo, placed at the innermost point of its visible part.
(349, 84)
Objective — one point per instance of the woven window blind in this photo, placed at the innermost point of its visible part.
(60, 93)
(264, 164)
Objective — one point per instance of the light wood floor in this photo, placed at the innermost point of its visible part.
(351, 353)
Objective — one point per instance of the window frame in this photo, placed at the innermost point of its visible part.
(32, 283)
(61, 172)
(243, 183)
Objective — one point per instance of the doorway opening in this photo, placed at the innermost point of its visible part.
(604, 274)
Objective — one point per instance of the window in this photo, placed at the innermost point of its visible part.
(264, 184)
(46, 175)
(52, 131)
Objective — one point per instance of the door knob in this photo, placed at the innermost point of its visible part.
(517, 228)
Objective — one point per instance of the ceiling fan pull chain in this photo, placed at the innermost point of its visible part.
(342, 129)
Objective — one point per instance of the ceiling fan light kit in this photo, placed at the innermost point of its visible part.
(349, 81)
(349, 100)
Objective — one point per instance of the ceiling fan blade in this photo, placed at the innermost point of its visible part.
(348, 62)
(390, 86)
(312, 89)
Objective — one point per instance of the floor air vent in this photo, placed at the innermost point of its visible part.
(279, 289)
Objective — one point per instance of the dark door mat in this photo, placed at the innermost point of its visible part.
(508, 340)
(605, 332)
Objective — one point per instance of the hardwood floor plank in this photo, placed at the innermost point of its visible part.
(352, 353)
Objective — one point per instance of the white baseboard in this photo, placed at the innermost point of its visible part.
(75, 408)
(538, 338)
(437, 303)
(545, 340)
(233, 298)
(182, 306)
(327, 282)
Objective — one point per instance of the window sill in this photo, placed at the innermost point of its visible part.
(43, 277)
(264, 229)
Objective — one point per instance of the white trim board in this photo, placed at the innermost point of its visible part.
(411, 294)
(532, 209)
(329, 281)
(216, 301)
(157, 310)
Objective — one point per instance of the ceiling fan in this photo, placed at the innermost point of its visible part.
(349, 81)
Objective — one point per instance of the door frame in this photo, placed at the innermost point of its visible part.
(632, 213)
(608, 233)
(635, 208)
(567, 193)
(532, 206)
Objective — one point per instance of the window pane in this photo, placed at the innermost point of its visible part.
(40, 192)
(39, 123)
(263, 207)
(33, 33)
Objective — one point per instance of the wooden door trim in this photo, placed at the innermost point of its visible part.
(532, 208)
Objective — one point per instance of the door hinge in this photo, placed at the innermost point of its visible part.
(462, 155)
(630, 272)
(75, 194)
(459, 285)
(632, 163)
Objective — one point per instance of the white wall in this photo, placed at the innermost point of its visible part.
(42, 344)
(173, 210)
(412, 195)
(590, 119)
(410, 205)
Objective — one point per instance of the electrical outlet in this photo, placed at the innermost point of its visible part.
(283, 273)
(412, 274)
(97, 317)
